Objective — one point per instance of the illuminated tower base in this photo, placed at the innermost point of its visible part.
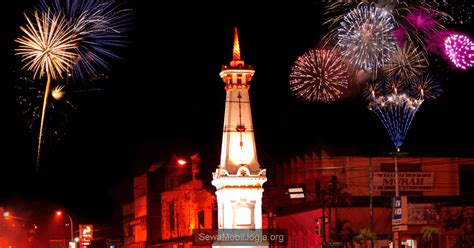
(239, 179)
(239, 202)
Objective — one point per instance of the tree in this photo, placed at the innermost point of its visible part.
(347, 234)
(364, 235)
(463, 221)
(337, 198)
(427, 234)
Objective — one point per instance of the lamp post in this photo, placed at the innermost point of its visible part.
(396, 238)
(60, 213)
(181, 163)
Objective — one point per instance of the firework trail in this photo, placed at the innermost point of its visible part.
(46, 48)
(319, 75)
(396, 112)
(396, 103)
(60, 108)
(30, 96)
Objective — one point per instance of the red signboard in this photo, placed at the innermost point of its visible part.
(86, 234)
(407, 181)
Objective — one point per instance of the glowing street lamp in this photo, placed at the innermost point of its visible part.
(60, 213)
(6, 214)
(181, 162)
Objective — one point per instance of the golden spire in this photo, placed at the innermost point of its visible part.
(236, 51)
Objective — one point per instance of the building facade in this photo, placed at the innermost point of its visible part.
(437, 189)
(169, 202)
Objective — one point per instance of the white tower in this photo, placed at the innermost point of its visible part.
(238, 179)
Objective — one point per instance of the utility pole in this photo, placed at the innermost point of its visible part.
(323, 222)
(330, 212)
(336, 195)
(396, 238)
(320, 199)
(371, 207)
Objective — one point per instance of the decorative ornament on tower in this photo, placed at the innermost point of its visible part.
(238, 178)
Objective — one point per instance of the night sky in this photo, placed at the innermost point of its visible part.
(165, 96)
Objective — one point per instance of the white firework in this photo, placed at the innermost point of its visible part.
(365, 37)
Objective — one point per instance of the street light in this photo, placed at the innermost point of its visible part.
(60, 213)
(181, 163)
(6, 214)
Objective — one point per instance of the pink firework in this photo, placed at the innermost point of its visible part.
(400, 34)
(460, 50)
(422, 20)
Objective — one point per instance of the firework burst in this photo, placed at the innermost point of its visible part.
(396, 111)
(47, 48)
(460, 10)
(396, 103)
(407, 63)
(319, 75)
(101, 26)
(424, 25)
(426, 88)
(460, 50)
(58, 92)
(373, 90)
(337, 10)
(421, 22)
(394, 86)
(365, 37)
(425, 19)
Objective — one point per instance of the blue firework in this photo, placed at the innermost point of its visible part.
(396, 112)
(100, 25)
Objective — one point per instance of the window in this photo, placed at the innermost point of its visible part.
(171, 215)
(466, 174)
(201, 223)
(243, 216)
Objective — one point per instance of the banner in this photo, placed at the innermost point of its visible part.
(422, 214)
(399, 210)
(407, 181)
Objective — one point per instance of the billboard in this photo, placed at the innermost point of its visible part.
(399, 210)
(407, 181)
(86, 234)
(422, 214)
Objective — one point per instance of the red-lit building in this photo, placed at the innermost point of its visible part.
(169, 202)
(434, 186)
